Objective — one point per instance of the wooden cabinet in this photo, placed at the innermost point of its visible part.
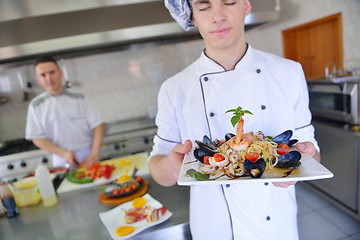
(315, 44)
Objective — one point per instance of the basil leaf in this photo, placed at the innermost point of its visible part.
(197, 175)
(234, 120)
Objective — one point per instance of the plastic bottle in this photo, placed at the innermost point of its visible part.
(2, 209)
(8, 201)
(46, 186)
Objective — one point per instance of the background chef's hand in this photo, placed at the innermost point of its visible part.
(71, 158)
(91, 159)
(308, 148)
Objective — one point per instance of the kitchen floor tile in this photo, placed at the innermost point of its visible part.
(341, 220)
(303, 207)
(314, 201)
(347, 238)
(313, 226)
(356, 236)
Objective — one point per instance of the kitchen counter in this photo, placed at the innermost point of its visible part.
(76, 216)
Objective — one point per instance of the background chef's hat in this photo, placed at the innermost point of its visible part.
(180, 10)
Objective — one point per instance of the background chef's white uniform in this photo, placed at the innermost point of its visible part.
(66, 120)
(193, 103)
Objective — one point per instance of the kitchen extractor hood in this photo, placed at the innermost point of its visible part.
(33, 27)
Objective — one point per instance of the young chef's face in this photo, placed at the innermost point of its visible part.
(221, 22)
(49, 75)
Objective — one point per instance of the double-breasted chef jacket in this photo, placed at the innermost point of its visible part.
(193, 103)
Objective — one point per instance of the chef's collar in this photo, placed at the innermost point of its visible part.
(61, 93)
(212, 66)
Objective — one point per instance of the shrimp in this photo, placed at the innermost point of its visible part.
(241, 141)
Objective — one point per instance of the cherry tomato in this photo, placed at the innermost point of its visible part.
(206, 160)
(283, 145)
(139, 179)
(282, 149)
(219, 157)
(252, 157)
(116, 191)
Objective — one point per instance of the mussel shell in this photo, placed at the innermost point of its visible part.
(289, 142)
(260, 164)
(207, 141)
(290, 160)
(203, 145)
(202, 151)
(228, 136)
(283, 136)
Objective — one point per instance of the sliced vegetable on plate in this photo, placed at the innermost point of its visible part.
(132, 217)
(96, 170)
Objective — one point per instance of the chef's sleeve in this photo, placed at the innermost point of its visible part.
(93, 116)
(33, 126)
(168, 134)
(304, 130)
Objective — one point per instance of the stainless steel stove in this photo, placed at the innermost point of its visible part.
(128, 137)
(19, 158)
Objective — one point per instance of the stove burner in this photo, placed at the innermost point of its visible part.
(17, 146)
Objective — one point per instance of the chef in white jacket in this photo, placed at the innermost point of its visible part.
(63, 122)
(230, 73)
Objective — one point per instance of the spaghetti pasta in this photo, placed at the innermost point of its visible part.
(265, 148)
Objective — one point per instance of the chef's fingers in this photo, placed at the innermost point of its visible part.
(306, 147)
(183, 148)
(284, 184)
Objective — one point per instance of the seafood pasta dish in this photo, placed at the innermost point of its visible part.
(244, 154)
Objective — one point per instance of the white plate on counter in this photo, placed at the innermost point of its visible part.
(310, 169)
(115, 218)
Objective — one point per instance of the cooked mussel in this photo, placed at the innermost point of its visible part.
(203, 150)
(285, 138)
(255, 169)
(290, 160)
(228, 136)
(209, 142)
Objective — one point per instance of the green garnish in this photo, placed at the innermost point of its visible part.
(237, 114)
(197, 175)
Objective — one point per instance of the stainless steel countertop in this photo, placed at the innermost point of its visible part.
(76, 216)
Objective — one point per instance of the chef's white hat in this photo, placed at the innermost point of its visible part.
(180, 10)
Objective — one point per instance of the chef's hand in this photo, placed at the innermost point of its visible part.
(177, 155)
(165, 169)
(308, 148)
(71, 158)
(304, 147)
(91, 159)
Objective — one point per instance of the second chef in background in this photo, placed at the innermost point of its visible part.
(63, 122)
